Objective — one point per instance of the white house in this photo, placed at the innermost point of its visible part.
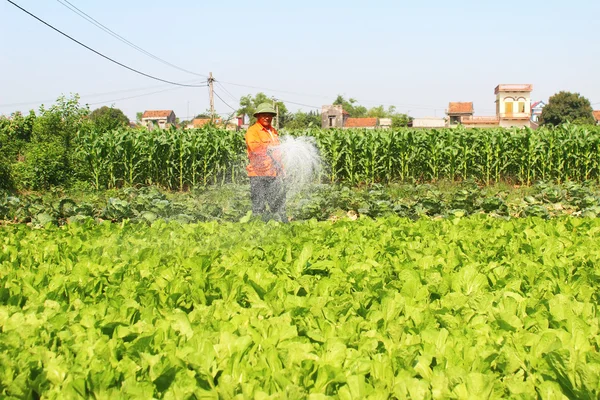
(536, 110)
(161, 119)
(429, 122)
(513, 104)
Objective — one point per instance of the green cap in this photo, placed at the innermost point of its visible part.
(265, 108)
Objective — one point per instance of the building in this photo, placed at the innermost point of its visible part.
(457, 110)
(160, 119)
(536, 110)
(513, 104)
(197, 123)
(597, 116)
(480, 121)
(368, 123)
(513, 108)
(333, 116)
(429, 122)
(385, 123)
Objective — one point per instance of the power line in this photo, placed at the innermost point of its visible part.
(299, 104)
(227, 91)
(224, 102)
(95, 22)
(274, 90)
(133, 97)
(322, 96)
(89, 95)
(98, 53)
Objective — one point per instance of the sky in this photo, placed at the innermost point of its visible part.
(416, 56)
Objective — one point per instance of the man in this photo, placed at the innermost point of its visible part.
(265, 169)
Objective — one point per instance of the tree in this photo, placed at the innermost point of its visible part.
(49, 158)
(567, 107)
(108, 118)
(381, 112)
(248, 105)
(354, 110)
(203, 115)
(138, 116)
(302, 120)
(400, 120)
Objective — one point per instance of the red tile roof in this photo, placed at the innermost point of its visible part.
(360, 123)
(157, 113)
(597, 115)
(460, 108)
(200, 122)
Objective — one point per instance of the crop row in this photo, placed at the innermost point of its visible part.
(188, 158)
(389, 308)
(183, 159)
(322, 202)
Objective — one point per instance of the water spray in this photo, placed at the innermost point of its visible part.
(301, 161)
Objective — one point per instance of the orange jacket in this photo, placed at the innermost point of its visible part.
(258, 140)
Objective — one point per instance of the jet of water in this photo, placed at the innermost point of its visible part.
(301, 162)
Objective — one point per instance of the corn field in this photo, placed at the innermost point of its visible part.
(178, 159)
(175, 159)
(565, 153)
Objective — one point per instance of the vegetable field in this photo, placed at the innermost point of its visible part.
(462, 308)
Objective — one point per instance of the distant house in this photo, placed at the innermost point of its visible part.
(513, 104)
(513, 108)
(597, 116)
(160, 119)
(200, 122)
(385, 123)
(536, 110)
(457, 110)
(480, 121)
(429, 122)
(369, 123)
(333, 116)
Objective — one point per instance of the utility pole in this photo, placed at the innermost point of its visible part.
(210, 94)
(276, 113)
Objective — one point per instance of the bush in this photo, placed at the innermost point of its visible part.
(45, 165)
(6, 181)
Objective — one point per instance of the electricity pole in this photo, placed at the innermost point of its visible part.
(210, 94)
(277, 113)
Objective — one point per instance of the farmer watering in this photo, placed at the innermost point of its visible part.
(265, 169)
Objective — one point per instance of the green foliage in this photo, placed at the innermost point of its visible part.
(459, 308)
(321, 202)
(381, 112)
(108, 118)
(567, 107)
(401, 120)
(353, 109)
(6, 177)
(182, 159)
(172, 158)
(303, 120)
(45, 165)
(61, 121)
(48, 158)
(15, 133)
